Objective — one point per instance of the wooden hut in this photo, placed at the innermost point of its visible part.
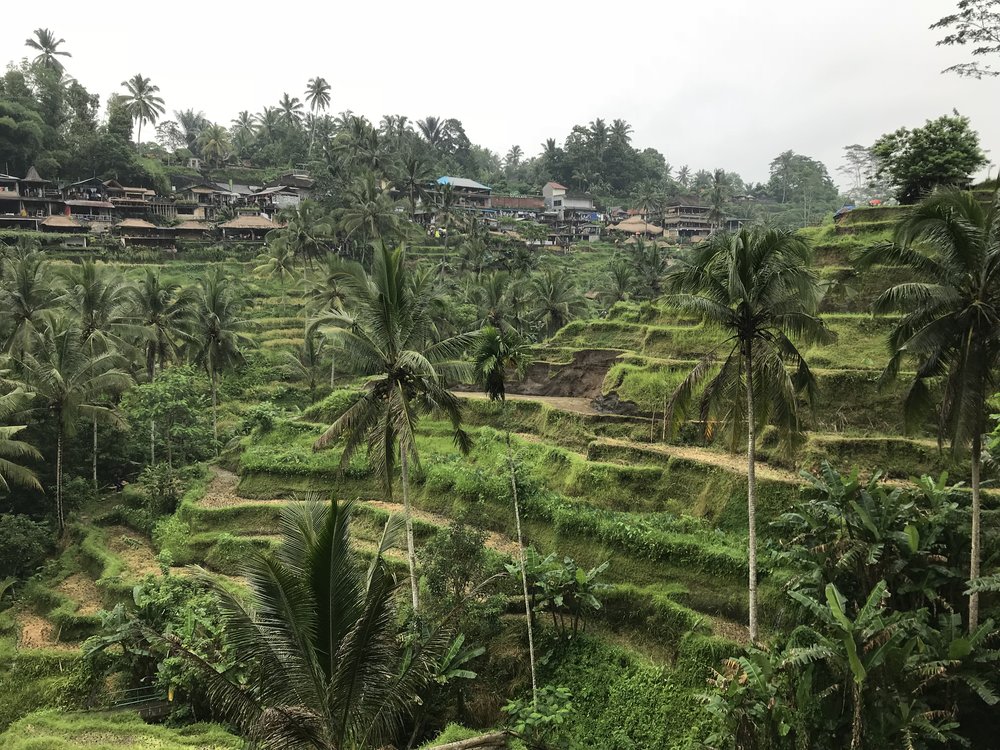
(248, 228)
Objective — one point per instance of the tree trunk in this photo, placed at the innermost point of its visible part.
(524, 575)
(215, 408)
(60, 517)
(494, 740)
(751, 499)
(411, 555)
(138, 136)
(94, 456)
(975, 552)
(333, 368)
(857, 726)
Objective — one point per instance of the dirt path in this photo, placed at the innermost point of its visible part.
(734, 463)
(573, 404)
(494, 541)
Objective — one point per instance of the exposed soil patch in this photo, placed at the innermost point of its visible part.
(583, 377)
(494, 541)
(134, 549)
(221, 491)
(730, 630)
(735, 463)
(37, 632)
(574, 404)
(83, 591)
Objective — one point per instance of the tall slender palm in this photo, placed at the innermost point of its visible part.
(46, 43)
(413, 179)
(555, 300)
(291, 110)
(217, 337)
(950, 324)
(215, 143)
(191, 124)
(161, 314)
(305, 233)
(98, 298)
(449, 213)
(70, 384)
(385, 338)
(308, 361)
(12, 450)
(432, 129)
(370, 213)
(25, 294)
(318, 99)
(268, 124)
(277, 261)
(757, 287)
(494, 354)
(319, 630)
(142, 103)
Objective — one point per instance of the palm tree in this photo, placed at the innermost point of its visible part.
(191, 124)
(217, 337)
(328, 293)
(413, 180)
(142, 103)
(556, 301)
(719, 196)
(950, 324)
(513, 157)
(306, 363)
(268, 123)
(46, 43)
(371, 212)
(70, 382)
(649, 263)
(432, 128)
(161, 315)
(385, 340)
(494, 354)
(25, 295)
(291, 110)
(304, 232)
(449, 213)
(620, 281)
(318, 99)
(215, 144)
(757, 287)
(277, 261)
(98, 298)
(320, 629)
(12, 450)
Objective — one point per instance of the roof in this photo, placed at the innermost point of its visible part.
(250, 222)
(7, 178)
(88, 181)
(193, 225)
(90, 204)
(462, 182)
(236, 187)
(33, 176)
(277, 189)
(61, 222)
(293, 179)
(555, 185)
(9, 195)
(135, 224)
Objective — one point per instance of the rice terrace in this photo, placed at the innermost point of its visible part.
(321, 428)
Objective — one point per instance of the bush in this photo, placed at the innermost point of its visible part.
(24, 544)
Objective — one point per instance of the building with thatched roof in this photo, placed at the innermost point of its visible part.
(636, 225)
(248, 227)
(62, 224)
(142, 232)
(192, 229)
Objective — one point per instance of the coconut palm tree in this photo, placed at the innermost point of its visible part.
(98, 298)
(70, 383)
(216, 333)
(46, 43)
(433, 130)
(215, 144)
(494, 354)
(25, 294)
(756, 286)
(278, 261)
(448, 213)
(142, 103)
(307, 362)
(413, 179)
(370, 214)
(384, 339)
(555, 300)
(306, 228)
(950, 324)
(191, 124)
(318, 99)
(161, 313)
(12, 450)
(320, 630)
(291, 110)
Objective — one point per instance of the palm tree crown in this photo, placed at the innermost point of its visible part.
(318, 94)
(142, 102)
(46, 43)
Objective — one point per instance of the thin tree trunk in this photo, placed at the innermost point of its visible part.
(94, 456)
(751, 498)
(333, 368)
(138, 137)
(975, 552)
(152, 443)
(60, 517)
(411, 555)
(215, 408)
(857, 726)
(524, 575)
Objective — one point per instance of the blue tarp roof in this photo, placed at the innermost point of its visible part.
(461, 182)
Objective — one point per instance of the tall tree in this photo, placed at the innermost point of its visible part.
(25, 294)
(214, 144)
(975, 23)
(757, 287)
(556, 300)
(319, 629)
(318, 99)
(291, 110)
(12, 450)
(944, 151)
(217, 334)
(950, 323)
(161, 313)
(385, 338)
(306, 231)
(47, 45)
(142, 103)
(71, 385)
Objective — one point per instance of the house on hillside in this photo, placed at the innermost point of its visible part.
(248, 228)
(571, 216)
(468, 193)
(518, 206)
(203, 200)
(693, 223)
(137, 202)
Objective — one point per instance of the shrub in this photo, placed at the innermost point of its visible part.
(24, 543)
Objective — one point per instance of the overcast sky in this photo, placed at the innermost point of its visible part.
(710, 83)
